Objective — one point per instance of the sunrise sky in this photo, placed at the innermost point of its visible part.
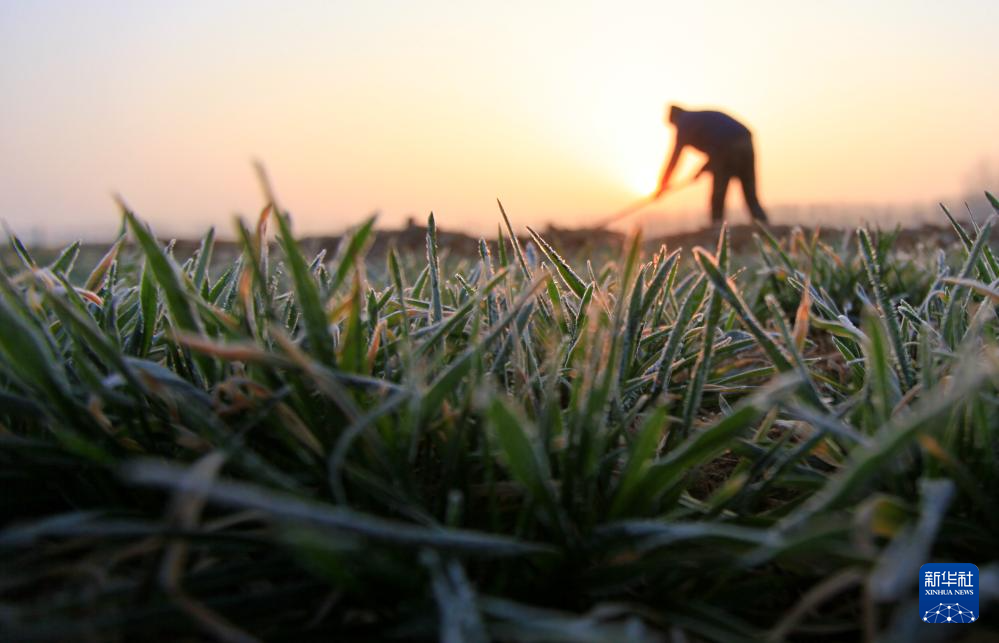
(407, 107)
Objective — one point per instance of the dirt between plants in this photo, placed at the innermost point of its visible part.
(598, 244)
(585, 242)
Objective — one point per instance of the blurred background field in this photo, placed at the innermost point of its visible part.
(580, 244)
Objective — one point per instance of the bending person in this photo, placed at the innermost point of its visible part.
(729, 147)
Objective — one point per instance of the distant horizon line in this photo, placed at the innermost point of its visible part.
(662, 220)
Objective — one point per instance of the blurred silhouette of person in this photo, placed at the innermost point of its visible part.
(729, 147)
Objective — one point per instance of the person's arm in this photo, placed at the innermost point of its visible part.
(671, 165)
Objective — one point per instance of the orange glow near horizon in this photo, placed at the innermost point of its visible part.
(403, 109)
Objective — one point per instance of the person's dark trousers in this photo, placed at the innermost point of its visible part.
(719, 187)
(736, 162)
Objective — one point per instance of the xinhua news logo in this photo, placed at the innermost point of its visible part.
(948, 593)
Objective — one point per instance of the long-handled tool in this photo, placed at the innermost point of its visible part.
(641, 203)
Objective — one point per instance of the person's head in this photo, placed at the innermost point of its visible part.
(674, 112)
